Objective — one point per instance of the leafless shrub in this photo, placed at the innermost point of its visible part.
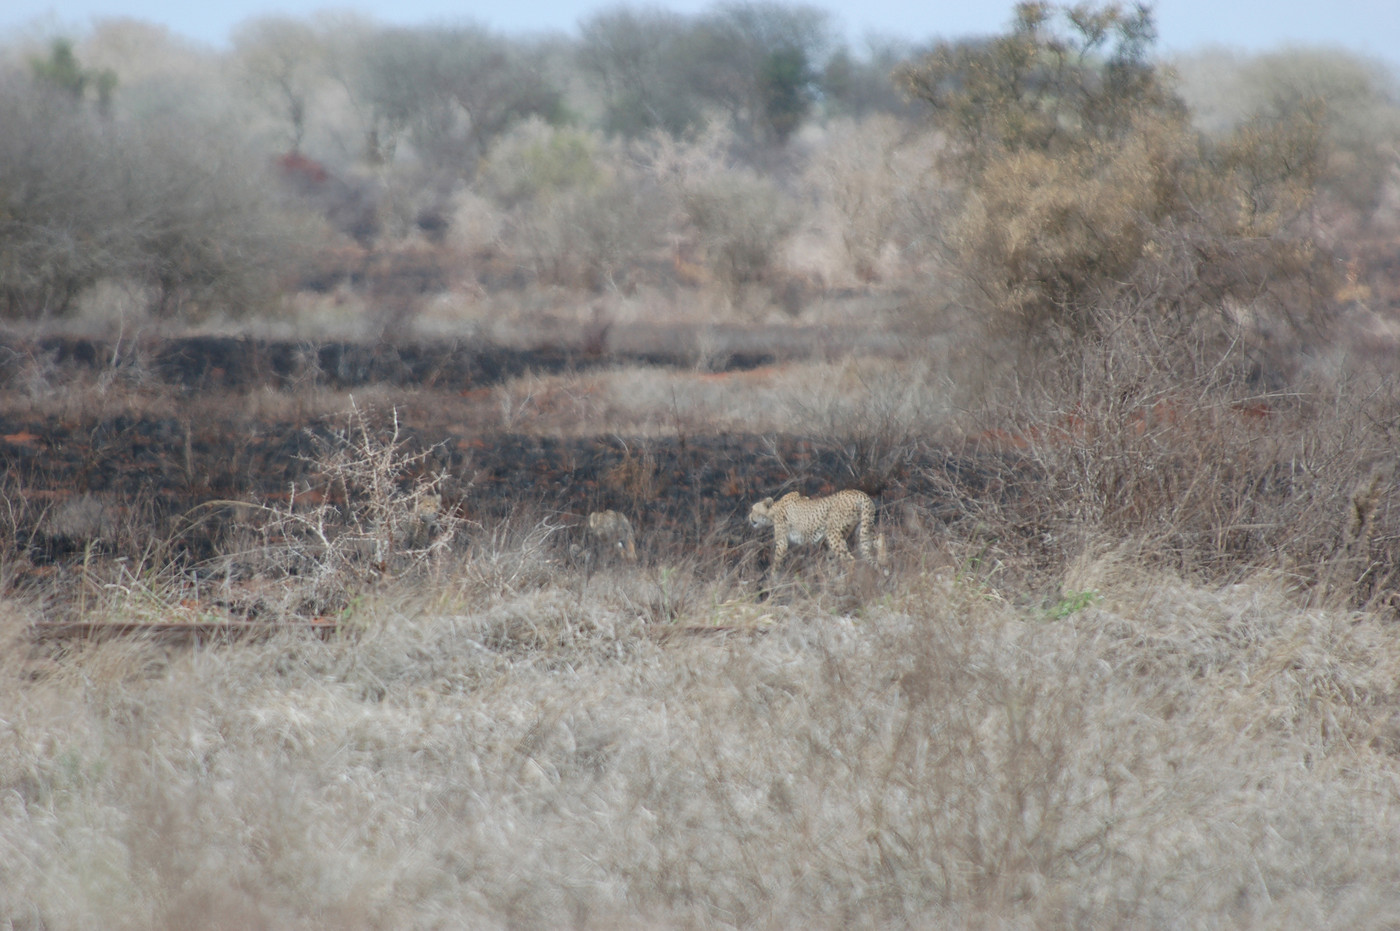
(582, 213)
(878, 185)
(177, 206)
(592, 239)
(741, 219)
(1180, 450)
(1355, 99)
(372, 509)
(518, 553)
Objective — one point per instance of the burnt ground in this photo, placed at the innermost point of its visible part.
(222, 363)
(81, 484)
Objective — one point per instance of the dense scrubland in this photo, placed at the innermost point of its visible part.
(319, 349)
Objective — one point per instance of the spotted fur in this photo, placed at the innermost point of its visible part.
(797, 519)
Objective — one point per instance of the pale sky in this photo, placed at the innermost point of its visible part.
(1371, 27)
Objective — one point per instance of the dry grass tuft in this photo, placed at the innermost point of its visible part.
(1178, 452)
(515, 744)
(1139, 670)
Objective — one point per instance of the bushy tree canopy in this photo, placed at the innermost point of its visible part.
(449, 92)
(180, 208)
(1084, 187)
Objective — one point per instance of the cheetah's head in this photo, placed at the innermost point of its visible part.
(761, 514)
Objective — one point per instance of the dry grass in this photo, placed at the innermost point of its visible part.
(500, 739)
(514, 746)
(1078, 700)
(853, 396)
(1188, 449)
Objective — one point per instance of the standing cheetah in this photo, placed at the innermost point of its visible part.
(796, 519)
(613, 529)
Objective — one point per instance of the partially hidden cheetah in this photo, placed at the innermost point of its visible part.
(425, 523)
(797, 519)
(612, 529)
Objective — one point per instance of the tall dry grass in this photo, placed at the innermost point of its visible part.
(518, 745)
(1142, 675)
(1186, 447)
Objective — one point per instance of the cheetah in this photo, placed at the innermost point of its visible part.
(611, 528)
(425, 522)
(797, 519)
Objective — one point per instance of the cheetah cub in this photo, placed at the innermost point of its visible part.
(797, 519)
(613, 529)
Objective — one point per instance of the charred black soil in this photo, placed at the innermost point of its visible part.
(145, 472)
(210, 363)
